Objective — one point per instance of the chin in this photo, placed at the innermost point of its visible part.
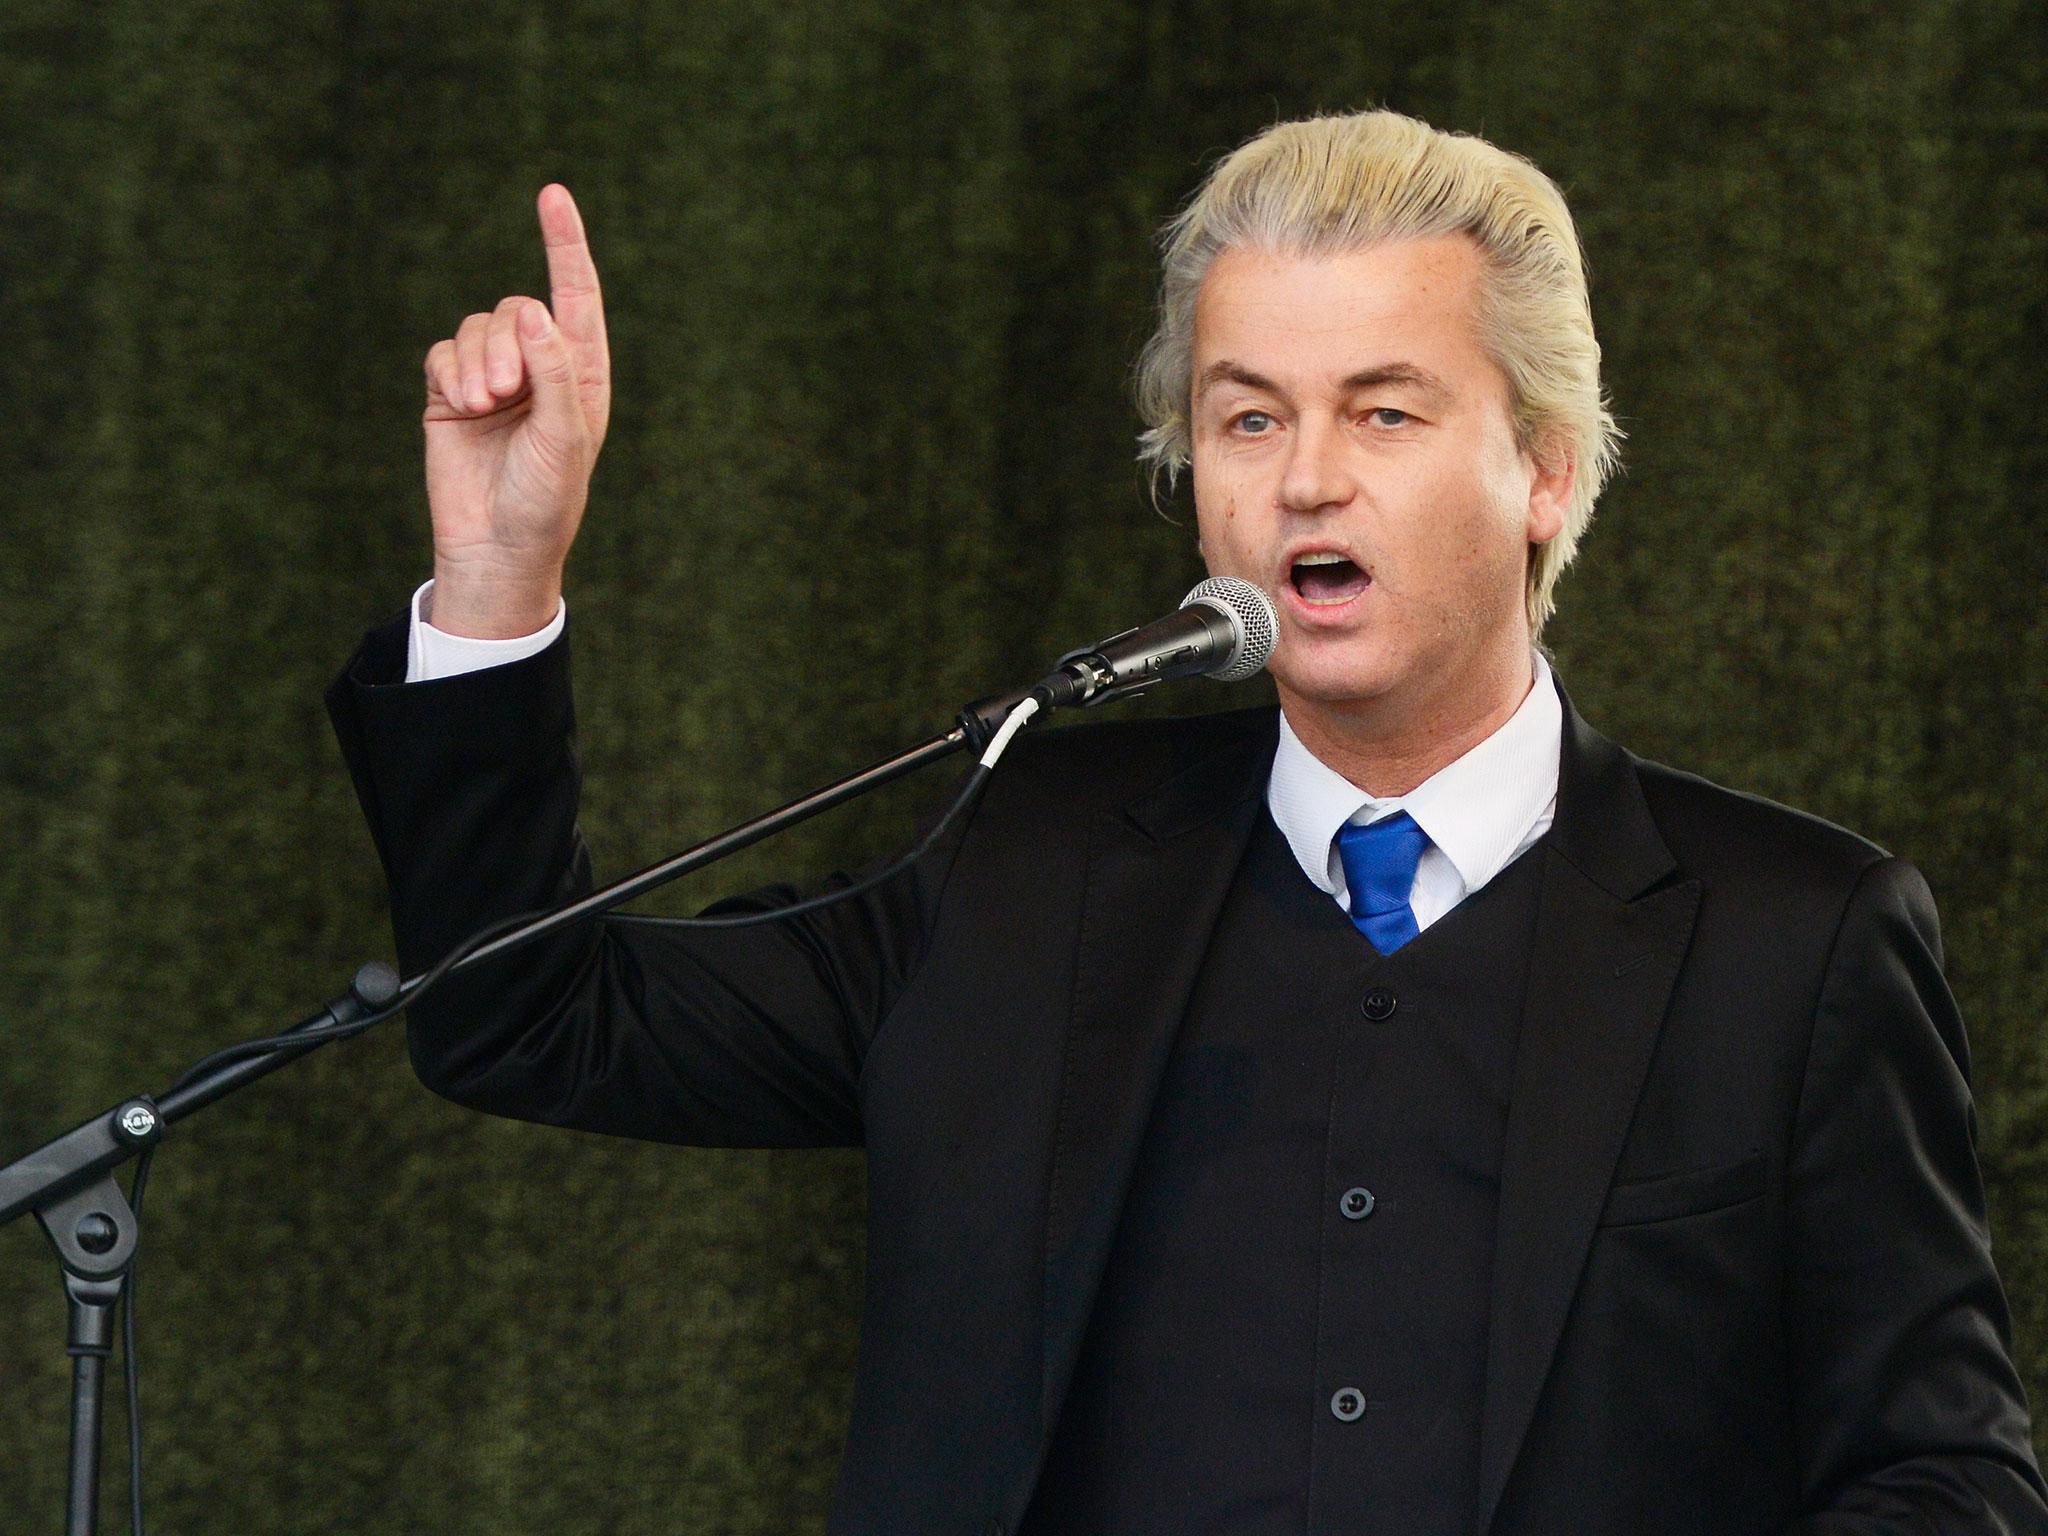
(1331, 676)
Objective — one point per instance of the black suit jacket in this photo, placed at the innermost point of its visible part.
(1742, 1277)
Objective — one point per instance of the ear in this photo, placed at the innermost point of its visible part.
(1553, 470)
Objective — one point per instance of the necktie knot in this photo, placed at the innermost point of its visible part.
(1379, 868)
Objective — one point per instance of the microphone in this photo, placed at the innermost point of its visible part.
(1224, 628)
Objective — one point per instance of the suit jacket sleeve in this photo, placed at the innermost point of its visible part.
(1909, 1412)
(744, 1037)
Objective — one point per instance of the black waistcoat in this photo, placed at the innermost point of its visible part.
(1291, 1331)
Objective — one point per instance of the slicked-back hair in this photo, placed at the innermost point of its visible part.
(1334, 184)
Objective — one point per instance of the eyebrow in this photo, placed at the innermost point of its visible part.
(1408, 374)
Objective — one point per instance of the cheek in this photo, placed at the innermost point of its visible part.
(1457, 548)
(1217, 503)
(1218, 490)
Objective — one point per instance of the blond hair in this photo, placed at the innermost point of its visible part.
(1332, 184)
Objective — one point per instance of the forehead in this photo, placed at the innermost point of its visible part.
(1310, 319)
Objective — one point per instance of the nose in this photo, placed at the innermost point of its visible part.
(1315, 475)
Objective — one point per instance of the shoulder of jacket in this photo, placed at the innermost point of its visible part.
(1714, 830)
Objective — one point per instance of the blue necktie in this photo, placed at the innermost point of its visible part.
(1379, 867)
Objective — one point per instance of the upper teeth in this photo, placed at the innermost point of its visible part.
(1323, 557)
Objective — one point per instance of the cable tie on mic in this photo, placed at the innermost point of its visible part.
(1015, 722)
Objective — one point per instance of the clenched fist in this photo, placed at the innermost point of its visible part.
(517, 402)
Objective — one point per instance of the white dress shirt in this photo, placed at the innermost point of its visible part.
(1479, 812)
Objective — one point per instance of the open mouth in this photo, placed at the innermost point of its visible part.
(1324, 580)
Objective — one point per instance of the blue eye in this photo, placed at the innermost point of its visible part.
(1388, 410)
(1251, 416)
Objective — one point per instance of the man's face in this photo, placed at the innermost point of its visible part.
(1388, 518)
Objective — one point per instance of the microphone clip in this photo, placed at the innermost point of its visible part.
(1077, 678)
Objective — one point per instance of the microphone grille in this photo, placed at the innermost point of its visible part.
(1251, 615)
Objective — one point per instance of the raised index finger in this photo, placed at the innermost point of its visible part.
(572, 280)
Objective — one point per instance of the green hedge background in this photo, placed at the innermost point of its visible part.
(876, 274)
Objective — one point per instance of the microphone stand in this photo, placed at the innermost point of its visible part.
(69, 1182)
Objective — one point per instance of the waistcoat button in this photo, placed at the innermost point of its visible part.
(1356, 1204)
(1379, 1003)
(1348, 1404)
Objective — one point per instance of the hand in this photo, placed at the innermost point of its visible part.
(517, 402)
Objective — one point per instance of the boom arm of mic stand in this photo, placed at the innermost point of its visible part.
(108, 1140)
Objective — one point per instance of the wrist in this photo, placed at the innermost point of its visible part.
(490, 604)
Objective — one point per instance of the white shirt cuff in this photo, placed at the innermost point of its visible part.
(432, 653)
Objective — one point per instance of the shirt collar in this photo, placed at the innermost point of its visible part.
(1476, 808)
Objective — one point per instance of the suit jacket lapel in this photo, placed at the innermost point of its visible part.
(1612, 928)
(1158, 871)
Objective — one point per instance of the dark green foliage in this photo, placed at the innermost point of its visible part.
(876, 275)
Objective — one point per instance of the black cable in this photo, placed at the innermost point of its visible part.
(975, 780)
(319, 1034)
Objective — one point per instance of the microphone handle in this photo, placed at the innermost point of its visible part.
(1187, 641)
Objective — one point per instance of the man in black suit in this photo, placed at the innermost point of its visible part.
(1402, 1111)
